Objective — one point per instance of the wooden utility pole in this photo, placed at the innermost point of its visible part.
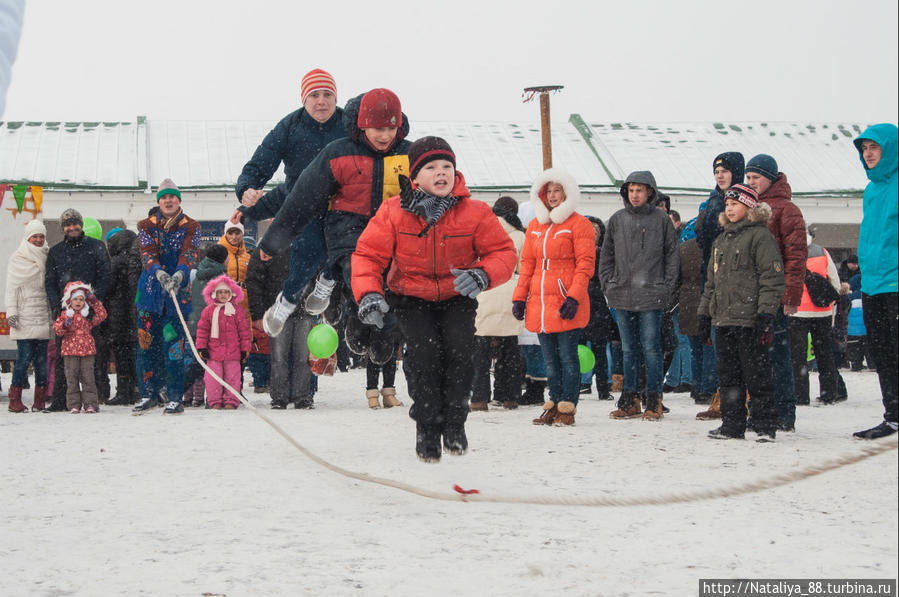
(545, 131)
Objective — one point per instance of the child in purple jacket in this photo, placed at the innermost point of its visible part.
(223, 339)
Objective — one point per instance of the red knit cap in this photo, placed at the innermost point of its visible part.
(380, 108)
(315, 80)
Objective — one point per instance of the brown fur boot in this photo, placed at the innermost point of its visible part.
(388, 398)
(477, 406)
(628, 407)
(617, 382)
(373, 395)
(40, 399)
(653, 410)
(15, 400)
(714, 411)
(567, 410)
(548, 415)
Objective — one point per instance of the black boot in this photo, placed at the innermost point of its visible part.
(733, 411)
(427, 442)
(533, 391)
(454, 440)
(882, 430)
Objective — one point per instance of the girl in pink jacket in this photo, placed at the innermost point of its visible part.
(223, 339)
(81, 313)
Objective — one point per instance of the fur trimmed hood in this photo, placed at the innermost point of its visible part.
(572, 196)
(209, 289)
(71, 287)
(759, 213)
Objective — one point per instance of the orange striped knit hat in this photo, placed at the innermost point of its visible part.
(315, 80)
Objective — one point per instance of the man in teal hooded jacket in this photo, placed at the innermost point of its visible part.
(878, 259)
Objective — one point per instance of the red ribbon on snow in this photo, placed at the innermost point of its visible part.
(465, 491)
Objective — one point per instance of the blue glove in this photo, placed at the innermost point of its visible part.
(518, 309)
(568, 309)
(372, 308)
(470, 282)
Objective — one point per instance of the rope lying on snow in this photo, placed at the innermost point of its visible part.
(462, 495)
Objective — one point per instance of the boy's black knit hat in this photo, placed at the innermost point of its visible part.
(763, 164)
(217, 253)
(428, 149)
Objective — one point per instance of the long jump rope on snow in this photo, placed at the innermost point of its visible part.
(474, 495)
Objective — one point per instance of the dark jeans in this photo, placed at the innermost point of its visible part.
(822, 342)
(782, 370)
(743, 363)
(260, 367)
(30, 351)
(123, 355)
(534, 363)
(641, 328)
(563, 369)
(291, 377)
(387, 371)
(439, 343)
(307, 255)
(704, 366)
(506, 371)
(597, 337)
(881, 315)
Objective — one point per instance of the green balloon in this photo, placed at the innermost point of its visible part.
(586, 358)
(92, 228)
(322, 341)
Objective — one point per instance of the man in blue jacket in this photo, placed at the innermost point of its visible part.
(878, 259)
(295, 140)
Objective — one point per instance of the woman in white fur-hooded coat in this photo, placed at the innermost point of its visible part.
(26, 297)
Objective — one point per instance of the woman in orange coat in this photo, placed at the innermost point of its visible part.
(443, 248)
(557, 261)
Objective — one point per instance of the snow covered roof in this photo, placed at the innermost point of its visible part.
(819, 158)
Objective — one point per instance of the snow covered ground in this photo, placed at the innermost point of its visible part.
(217, 503)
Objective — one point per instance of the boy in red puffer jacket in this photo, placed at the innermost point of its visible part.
(81, 312)
(442, 249)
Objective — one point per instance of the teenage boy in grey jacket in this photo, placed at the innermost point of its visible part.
(638, 270)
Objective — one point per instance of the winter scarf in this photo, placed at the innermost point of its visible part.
(429, 207)
(229, 311)
(26, 262)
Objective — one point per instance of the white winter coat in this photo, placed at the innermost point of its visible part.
(494, 315)
(25, 293)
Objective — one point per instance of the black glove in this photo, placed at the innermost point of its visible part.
(243, 360)
(518, 310)
(764, 328)
(204, 353)
(470, 282)
(406, 199)
(704, 328)
(372, 308)
(568, 309)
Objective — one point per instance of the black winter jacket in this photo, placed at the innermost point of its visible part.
(295, 140)
(84, 259)
(264, 280)
(125, 270)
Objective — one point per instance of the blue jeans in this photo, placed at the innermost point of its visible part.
(307, 255)
(260, 367)
(680, 370)
(28, 351)
(704, 365)
(641, 329)
(782, 371)
(563, 369)
(164, 354)
(534, 363)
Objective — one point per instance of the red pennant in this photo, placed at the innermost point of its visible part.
(3, 188)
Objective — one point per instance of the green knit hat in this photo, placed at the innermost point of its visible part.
(167, 187)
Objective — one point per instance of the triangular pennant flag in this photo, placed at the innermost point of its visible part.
(3, 188)
(18, 192)
(37, 193)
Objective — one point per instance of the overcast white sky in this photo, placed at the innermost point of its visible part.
(637, 60)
